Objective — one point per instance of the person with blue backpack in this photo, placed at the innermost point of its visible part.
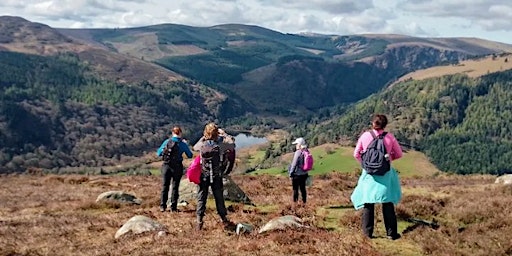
(301, 164)
(171, 151)
(379, 181)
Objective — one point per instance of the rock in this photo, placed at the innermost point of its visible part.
(504, 179)
(140, 224)
(282, 223)
(183, 203)
(118, 196)
(242, 228)
(232, 192)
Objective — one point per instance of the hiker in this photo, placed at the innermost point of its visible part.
(383, 187)
(227, 146)
(228, 150)
(295, 171)
(212, 170)
(171, 151)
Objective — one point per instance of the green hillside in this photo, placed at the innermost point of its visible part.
(97, 99)
(340, 159)
(462, 124)
(316, 71)
(55, 114)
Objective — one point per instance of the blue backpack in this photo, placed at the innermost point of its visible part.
(375, 159)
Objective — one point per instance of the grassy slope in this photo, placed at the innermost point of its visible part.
(473, 68)
(57, 215)
(331, 157)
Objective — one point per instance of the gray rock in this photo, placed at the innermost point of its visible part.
(504, 179)
(232, 192)
(118, 196)
(242, 228)
(282, 223)
(140, 224)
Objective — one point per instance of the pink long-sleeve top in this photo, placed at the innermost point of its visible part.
(392, 147)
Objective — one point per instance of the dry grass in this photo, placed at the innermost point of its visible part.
(473, 68)
(57, 215)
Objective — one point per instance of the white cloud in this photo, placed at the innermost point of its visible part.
(488, 14)
(475, 18)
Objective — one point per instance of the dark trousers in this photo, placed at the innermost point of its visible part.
(388, 211)
(218, 194)
(171, 173)
(299, 182)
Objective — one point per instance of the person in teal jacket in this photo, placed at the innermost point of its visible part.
(172, 170)
(384, 189)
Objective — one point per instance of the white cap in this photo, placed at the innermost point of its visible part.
(300, 141)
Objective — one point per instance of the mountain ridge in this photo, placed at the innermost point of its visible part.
(245, 76)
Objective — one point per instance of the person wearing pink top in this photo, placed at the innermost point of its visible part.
(392, 147)
(372, 189)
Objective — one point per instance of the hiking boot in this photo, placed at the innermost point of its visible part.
(199, 226)
(228, 225)
(394, 237)
(175, 210)
(369, 236)
(162, 209)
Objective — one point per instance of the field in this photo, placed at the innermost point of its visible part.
(58, 215)
(473, 68)
(332, 157)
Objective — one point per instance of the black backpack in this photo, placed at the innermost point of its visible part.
(375, 159)
(210, 160)
(171, 152)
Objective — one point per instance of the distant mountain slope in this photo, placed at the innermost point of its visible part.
(20, 35)
(473, 68)
(65, 104)
(315, 71)
(104, 96)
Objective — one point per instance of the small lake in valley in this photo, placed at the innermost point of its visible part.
(244, 140)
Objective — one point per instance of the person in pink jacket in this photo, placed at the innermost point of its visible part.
(372, 189)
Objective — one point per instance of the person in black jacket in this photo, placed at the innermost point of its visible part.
(212, 170)
(172, 167)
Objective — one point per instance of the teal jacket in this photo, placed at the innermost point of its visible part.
(183, 147)
(377, 189)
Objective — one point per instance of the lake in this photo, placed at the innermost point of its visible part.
(243, 140)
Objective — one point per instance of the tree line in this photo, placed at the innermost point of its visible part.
(462, 124)
(56, 114)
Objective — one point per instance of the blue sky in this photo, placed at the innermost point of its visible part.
(487, 19)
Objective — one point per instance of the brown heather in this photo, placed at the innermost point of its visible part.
(58, 215)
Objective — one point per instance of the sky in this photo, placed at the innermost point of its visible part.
(486, 19)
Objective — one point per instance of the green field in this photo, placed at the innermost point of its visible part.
(413, 163)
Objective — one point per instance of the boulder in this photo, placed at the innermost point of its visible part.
(118, 196)
(140, 224)
(282, 223)
(504, 179)
(232, 192)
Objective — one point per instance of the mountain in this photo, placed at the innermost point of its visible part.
(105, 96)
(67, 104)
(20, 35)
(254, 63)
